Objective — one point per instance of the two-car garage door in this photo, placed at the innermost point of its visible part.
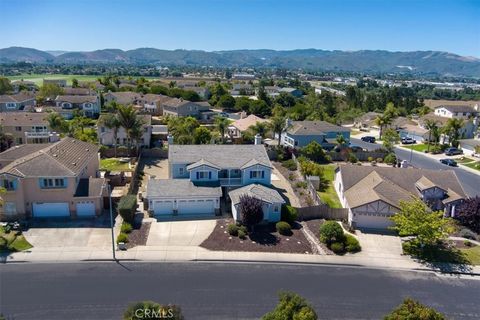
(51, 209)
(370, 221)
(184, 207)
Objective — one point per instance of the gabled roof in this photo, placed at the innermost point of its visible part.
(223, 156)
(202, 162)
(171, 188)
(17, 152)
(257, 191)
(458, 108)
(19, 97)
(76, 99)
(66, 158)
(254, 162)
(314, 128)
(23, 118)
(245, 123)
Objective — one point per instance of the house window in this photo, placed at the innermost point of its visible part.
(180, 171)
(275, 209)
(9, 185)
(53, 183)
(257, 174)
(11, 105)
(204, 175)
(18, 128)
(102, 129)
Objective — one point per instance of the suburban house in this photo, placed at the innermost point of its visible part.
(144, 103)
(213, 170)
(243, 76)
(468, 145)
(298, 134)
(457, 111)
(90, 105)
(27, 127)
(16, 102)
(297, 93)
(373, 194)
(236, 128)
(59, 180)
(106, 135)
(20, 85)
(242, 89)
(184, 108)
(274, 91)
(124, 97)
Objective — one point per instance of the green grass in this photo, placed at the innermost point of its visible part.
(473, 165)
(113, 164)
(417, 147)
(329, 195)
(14, 241)
(472, 254)
(38, 78)
(464, 160)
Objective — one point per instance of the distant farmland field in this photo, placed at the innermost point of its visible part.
(38, 78)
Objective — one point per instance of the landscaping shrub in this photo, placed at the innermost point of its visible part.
(3, 244)
(411, 309)
(390, 158)
(330, 232)
(126, 227)
(337, 247)
(122, 237)
(436, 149)
(232, 229)
(289, 214)
(352, 158)
(467, 233)
(290, 165)
(242, 234)
(352, 244)
(291, 177)
(127, 206)
(283, 228)
(370, 159)
(301, 184)
(379, 160)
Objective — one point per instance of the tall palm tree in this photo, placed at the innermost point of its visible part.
(221, 124)
(452, 128)
(55, 121)
(112, 122)
(260, 128)
(341, 140)
(127, 116)
(382, 121)
(136, 135)
(277, 126)
(431, 126)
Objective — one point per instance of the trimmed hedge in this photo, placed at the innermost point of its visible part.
(283, 228)
(232, 229)
(126, 227)
(289, 214)
(330, 232)
(351, 244)
(337, 247)
(127, 206)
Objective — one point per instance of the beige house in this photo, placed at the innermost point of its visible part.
(59, 180)
(236, 128)
(373, 194)
(106, 135)
(27, 127)
(144, 103)
(184, 108)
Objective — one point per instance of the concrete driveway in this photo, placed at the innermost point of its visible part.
(180, 233)
(69, 237)
(379, 245)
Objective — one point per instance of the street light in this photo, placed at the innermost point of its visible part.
(111, 219)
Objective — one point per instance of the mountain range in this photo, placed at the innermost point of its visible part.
(368, 61)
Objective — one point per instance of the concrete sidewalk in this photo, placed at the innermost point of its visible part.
(189, 253)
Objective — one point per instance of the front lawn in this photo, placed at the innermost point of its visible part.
(13, 241)
(421, 147)
(456, 252)
(114, 164)
(473, 165)
(472, 254)
(464, 160)
(329, 195)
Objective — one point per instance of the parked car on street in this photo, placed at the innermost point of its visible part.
(453, 151)
(408, 140)
(449, 162)
(368, 139)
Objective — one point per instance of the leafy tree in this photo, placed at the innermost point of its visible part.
(260, 108)
(251, 210)
(127, 116)
(74, 83)
(314, 152)
(221, 124)
(242, 104)
(331, 232)
(49, 91)
(260, 128)
(112, 122)
(202, 135)
(6, 140)
(468, 213)
(285, 99)
(5, 85)
(416, 219)
(452, 130)
(382, 121)
(226, 102)
(341, 140)
(390, 138)
(291, 306)
(413, 310)
(182, 128)
(56, 122)
(152, 310)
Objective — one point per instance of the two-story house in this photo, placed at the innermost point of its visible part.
(373, 194)
(89, 105)
(16, 102)
(184, 108)
(27, 127)
(298, 134)
(106, 135)
(59, 180)
(210, 171)
(457, 111)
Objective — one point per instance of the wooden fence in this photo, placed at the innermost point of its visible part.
(155, 153)
(322, 211)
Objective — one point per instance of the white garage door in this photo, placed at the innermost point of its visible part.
(51, 209)
(85, 209)
(162, 207)
(372, 222)
(195, 207)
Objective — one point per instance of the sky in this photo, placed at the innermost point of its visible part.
(394, 25)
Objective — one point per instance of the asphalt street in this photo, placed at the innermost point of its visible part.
(223, 291)
(469, 180)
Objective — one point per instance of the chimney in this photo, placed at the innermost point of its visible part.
(170, 139)
(243, 115)
(258, 139)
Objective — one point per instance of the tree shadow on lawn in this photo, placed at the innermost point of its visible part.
(442, 258)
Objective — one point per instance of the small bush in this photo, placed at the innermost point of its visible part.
(126, 227)
(436, 149)
(291, 177)
(352, 158)
(467, 233)
(370, 159)
(242, 234)
(243, 228)
(337, 247)
(301, 184)
(290, 165)
(352, 244)
(289, 214)
(379, 160)
(122, 237)
(232, 229)
(390, 158)
(283, 228)
(330, 232)
(127, 206)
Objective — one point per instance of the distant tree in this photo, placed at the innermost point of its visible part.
(260, 128)
(5, 85)
(382, 121)
(202, 135)
(127, 116)
(56, 122)
(228, 74)
(260, 108)
(49, 91)
(251, 210)
(221, 124)
(285, 99)
(277, 125)
(291, 306)
(74, 83)
(226, 102)
(242, 104)
(416, 219)
(313, 151)
(6, 140)
(112, 122)
(452, 130)
(390, 138)
(468, 213)
(413, 310)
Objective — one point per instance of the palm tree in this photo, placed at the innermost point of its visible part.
(277, 125)
(431, 126)
(260, 128)
(452, 128)
(136, 134)
(55, 121)
(341, 140)
(127, 116)
(221, 124)
(382, 121)
(112, 122)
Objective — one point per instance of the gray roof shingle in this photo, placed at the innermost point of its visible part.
(172, 188)
(257, 191)
(314, 128)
